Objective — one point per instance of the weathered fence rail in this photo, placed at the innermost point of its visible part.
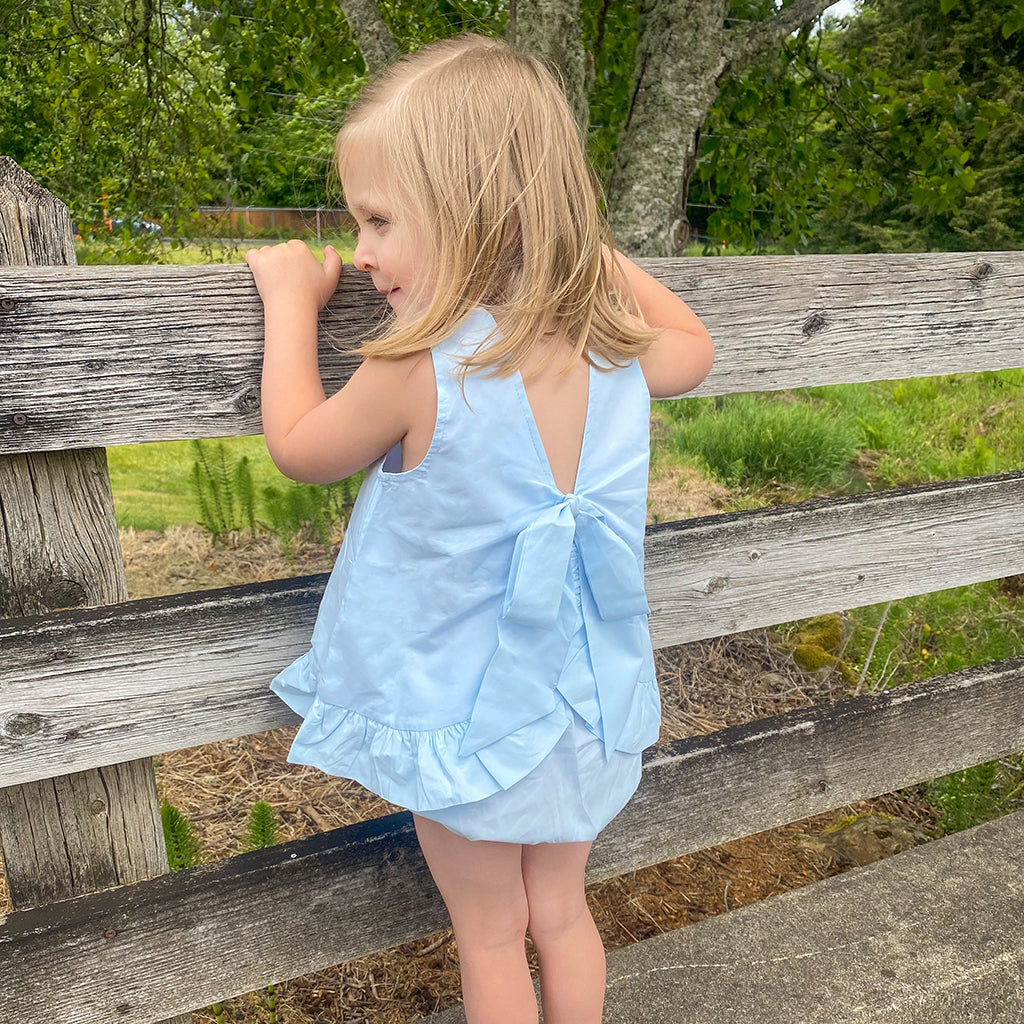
(95, 356)
(120, 355)
(97, 686)
(232, 926)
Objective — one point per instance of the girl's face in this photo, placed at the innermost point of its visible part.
(387, 248)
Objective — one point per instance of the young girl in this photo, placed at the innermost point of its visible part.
(481, 654)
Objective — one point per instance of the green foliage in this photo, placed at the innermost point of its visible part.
(899, 129)
(114, 107)
(975, 795)
(261, 828)
(609, 39)
(285, 157)
(753, 440)
(223, 490)
(849, 437)
(762, 172)
(225, 495)
(286, 100)
(320, 509)
(936, 428)
(108, 248)
(179, 838)
(946, 144)
(932, 634)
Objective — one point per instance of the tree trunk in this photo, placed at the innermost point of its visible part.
(371, 34)
(551, 30)
(683, 54)
(85, 831)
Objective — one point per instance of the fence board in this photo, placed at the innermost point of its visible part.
(721, 574)
(97, 686)
(100, 827)
(176, 941)
(119, 355)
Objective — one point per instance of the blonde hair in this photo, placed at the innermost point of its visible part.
(482, 154)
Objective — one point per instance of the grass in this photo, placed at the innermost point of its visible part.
(152, 482)
(845, 438)
(119, 250)
(932, 634)
(753, 441)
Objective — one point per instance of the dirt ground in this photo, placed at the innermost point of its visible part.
(705, 687)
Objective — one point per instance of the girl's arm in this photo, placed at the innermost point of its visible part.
(310, 437)
(682, 356)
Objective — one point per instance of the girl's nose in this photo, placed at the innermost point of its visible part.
(362, 258)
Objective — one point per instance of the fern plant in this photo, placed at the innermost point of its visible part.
(179, 838)
(261, 827)
(224, 490)
(319, 509)
(261, 831)
(183, 852)
(225, 496)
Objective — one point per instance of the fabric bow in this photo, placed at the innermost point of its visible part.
(534, 637)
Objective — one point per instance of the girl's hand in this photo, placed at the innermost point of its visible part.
(290, 273)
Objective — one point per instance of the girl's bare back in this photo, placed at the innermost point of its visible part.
(558, 400)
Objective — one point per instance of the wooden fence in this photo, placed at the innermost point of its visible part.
(92, 686)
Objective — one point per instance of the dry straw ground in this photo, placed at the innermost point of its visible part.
(705, 687)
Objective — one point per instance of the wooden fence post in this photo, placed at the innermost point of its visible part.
(59, 548)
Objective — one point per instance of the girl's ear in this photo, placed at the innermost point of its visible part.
(511, 229)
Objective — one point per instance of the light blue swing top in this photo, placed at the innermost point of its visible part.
(447, 652)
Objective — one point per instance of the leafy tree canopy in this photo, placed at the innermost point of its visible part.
(115, 105)
(901, 128)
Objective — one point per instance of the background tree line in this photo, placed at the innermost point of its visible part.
(747, 122)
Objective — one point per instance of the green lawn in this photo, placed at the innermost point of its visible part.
(152, 483)
(845, 438)
(114, 250)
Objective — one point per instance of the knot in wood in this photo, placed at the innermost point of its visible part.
(22, 725)
(8, 305)
(248, 400)
(814, 324)
(62, 593)
(981, 270)
(715, 584)
(97, 807)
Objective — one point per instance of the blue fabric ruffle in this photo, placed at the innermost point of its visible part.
(424, 770)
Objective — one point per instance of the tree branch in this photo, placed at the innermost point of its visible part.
(372, 36)
(743, 45)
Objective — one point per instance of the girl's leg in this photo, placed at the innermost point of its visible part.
(571, 954)
(482, 886)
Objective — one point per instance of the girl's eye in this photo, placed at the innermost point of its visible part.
(378, 222)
